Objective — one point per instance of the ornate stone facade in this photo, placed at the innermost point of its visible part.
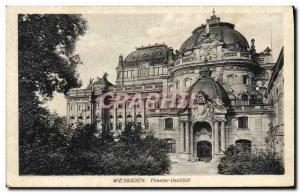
(222, 77)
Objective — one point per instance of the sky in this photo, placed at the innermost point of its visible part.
(111, 35)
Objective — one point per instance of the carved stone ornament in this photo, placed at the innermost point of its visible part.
(203, 109)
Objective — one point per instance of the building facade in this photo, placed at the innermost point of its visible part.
(221, 79)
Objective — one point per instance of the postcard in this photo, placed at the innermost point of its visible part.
(150, 96)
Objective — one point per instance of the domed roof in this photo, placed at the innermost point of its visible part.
(209, 86)
(156, 52)
(222, 31)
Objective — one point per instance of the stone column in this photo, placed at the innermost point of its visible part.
(187, 137)
(217, 149)
(192, 142)
(182, 136)
(223, 135)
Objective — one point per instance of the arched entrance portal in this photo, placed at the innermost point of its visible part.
(204, 151)
(202, 141)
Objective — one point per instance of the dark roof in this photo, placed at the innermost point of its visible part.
(149, 53)
(222, 31)
(209, 86)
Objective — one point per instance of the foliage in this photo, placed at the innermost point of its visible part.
(46, 144)
(131, 155)
(46, 63)
(239, 162)
(87, 154)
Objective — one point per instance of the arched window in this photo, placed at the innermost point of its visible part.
(129, 116)
(171, 145)
(177, 84)
(169, 88)
(187, 82)
(245, 99)
(168, 123)
(243, 145)
(245, 79)
(72, 117)
(120, 116)
(138, 116)
(230, 79)
(87, 117)
(243, 122)
(111, 116)
(80, 117)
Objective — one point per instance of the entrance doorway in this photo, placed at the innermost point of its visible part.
(204, 151)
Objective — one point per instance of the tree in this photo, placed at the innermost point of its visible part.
(46, 63)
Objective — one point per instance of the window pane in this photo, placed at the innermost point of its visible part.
(243, 122)
(245, 79)
(168, 123)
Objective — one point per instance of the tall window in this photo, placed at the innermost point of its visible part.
(245, 99)
(177, 84)
(171, 145)
(119, 126)
(243, 122)
(168, 123)
(156, 71)
(243, 145)
(129, 73)
(245, 79)
(139, 124)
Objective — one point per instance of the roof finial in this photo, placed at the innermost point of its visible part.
(214, 12)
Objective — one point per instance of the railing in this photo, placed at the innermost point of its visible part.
(236, 55)
(164, 110)
(81, 92)
(229, 55)
(252, 107)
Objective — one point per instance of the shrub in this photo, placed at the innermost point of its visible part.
(84, 153)
(239, 162)
(131, 155)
